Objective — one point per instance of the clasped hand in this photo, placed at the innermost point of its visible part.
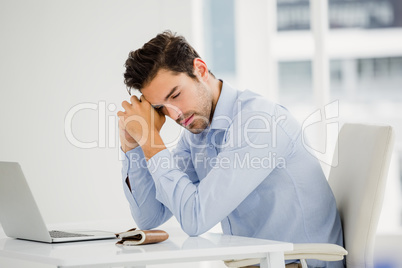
(138, 121)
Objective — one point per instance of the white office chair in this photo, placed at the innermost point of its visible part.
(358, 183)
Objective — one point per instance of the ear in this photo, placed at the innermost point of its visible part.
(200, 69)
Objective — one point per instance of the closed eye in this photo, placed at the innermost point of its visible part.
(175, 96)
(157, 107)
(160, 109)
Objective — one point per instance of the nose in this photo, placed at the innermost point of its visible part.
(174, 112)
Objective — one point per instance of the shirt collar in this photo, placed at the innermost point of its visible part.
(223, 114)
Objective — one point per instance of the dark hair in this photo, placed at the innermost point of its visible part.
(165, 51)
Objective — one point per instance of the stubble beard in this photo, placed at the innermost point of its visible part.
(202, 118)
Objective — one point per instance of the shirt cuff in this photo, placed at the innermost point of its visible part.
(161, 163)
(132, 159)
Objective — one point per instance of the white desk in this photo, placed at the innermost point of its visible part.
(178, 248)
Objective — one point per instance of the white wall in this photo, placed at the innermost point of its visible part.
(54, 56)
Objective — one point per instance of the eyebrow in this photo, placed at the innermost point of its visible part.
(171, 92)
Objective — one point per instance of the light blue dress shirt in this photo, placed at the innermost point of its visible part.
(248, 170)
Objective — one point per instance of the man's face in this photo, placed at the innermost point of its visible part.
(187, 101)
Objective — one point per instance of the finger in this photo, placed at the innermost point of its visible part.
(145, 101)
(134, 99)
(121, 123)
(126, 105)
(120, 114)
(128, 140)
(123, 134)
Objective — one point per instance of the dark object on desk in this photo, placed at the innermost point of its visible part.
(135, 237)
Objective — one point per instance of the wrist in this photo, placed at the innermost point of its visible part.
(126, 148)
(153, 145)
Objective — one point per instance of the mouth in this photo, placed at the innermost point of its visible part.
(188, 120)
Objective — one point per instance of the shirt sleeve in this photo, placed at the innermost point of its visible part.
(238, 169)
(147, 212)
(182, 156)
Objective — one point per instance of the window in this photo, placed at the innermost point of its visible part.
(366, 79)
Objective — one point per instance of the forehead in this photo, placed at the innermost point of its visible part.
(164, 81)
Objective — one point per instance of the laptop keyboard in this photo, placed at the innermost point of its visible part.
(60, 234)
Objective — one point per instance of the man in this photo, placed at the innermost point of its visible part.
(240, 161)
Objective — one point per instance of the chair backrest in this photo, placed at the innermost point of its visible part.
(358, 183)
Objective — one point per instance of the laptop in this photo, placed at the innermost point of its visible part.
(20, 215)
